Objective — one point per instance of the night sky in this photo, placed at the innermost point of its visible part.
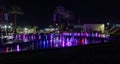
(39, 12)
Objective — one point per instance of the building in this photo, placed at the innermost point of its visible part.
(94, 27)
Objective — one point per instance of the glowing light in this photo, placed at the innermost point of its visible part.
(78, 34)
(24, 37)
(44, 44)
(32, 37)
(56, 24)
(70, 34)
(83, 42)
(96, 34)
(19, 36)
(63, 42)
(39, 37)
(51, 41)
(11, 23)
(18, 48)
(81, 34)
(6, 50)
(16, 36)
(54, 40)
(103, 35)
(86, 41)
(5, 26)
(46, 37)
(93, 35)
(25, 29)
(87, 34)
(67, 42)
(9, 26)
(60, 40)
(75, 34)
(51, 36)
(47, 43)
(99, 35)
(108, 23)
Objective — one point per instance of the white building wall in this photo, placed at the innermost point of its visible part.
(94, 27)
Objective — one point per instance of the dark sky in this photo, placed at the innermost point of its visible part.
(39, 12)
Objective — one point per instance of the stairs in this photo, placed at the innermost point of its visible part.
(114, 30)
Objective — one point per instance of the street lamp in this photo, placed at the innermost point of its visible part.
(26, 30)
(5, 26)
(9, 26)
(108, 23)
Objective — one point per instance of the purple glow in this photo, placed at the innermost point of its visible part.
(86, 34)
(32, 37)
(16, 37)
(67, 42)
(51, 41)
(70, 34)
(63, 42)
(56, 45)
(75, 34)
(78, 34)
(54, 40)
(81, 34)
(86, 41)
(60, 40)
(18, 48)
(99, 35)
(96, 34)
(24, 37)
(93, 35)
(39, 37)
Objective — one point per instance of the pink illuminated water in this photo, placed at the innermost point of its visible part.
(6, 50)
(57, 40)
(18, 48)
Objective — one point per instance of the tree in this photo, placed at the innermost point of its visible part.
(68, 16)
(15, 10)
(60, 11)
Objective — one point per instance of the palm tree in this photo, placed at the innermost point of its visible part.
(15, 10)
(60, 11)
(68, 16)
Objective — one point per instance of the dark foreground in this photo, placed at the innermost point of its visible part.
(95, 53)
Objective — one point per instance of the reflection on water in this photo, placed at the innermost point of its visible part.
(40, 41)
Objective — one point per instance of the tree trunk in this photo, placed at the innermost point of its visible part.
(59, 19)
(54, 19)
(15, 23)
